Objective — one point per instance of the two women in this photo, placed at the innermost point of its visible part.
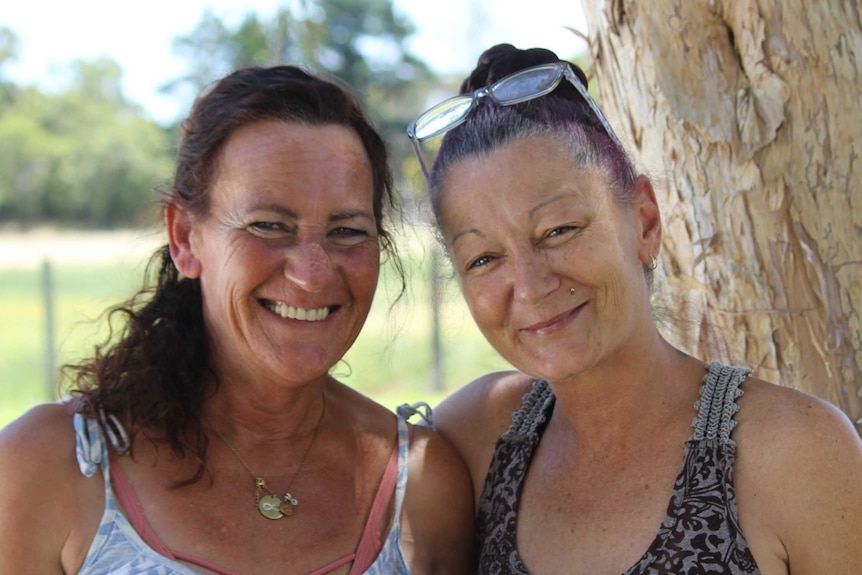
(210, 437)
(609, 451)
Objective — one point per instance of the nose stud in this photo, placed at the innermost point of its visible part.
(572, 291)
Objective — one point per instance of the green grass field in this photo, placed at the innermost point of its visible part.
(391, 361)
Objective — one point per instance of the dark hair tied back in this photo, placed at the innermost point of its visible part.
(501, 60)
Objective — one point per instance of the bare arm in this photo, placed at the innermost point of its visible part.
(438, 509)
(43, 496)
(475, 416)
(801, 485)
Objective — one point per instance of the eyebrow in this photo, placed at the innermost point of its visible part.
(275, 208)
(335, 217)
(532, 212)
(459, 235)
(350, 214)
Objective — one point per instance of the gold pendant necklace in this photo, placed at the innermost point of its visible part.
(271, 505)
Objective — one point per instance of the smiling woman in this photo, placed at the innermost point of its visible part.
(609, 451)
(290, 237)
(218, 388)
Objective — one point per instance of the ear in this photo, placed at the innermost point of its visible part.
(649, 219)
(179, 225)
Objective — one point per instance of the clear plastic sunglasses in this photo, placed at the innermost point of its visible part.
(522, 86)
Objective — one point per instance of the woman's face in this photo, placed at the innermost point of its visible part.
(288, 256)
(525, 227)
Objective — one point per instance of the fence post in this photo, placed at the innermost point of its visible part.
(436, 337)
(48, 301)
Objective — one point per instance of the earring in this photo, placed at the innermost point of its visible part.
(653, 263)
(572, 291)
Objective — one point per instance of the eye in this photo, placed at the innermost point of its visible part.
(347, 236)
(267, 228)
(479, 262)
(561, 230)
(348, 232)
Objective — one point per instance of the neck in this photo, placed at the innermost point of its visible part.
(625, 398)
(272, 414)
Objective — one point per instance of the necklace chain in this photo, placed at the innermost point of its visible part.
(273, 506)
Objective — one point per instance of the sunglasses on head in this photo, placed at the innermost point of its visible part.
(522, 86)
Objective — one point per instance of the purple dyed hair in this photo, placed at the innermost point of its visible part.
(563, 114)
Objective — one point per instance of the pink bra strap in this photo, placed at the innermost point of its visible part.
(369, 545)
(135, 513)
(366, 552)
(334, 565)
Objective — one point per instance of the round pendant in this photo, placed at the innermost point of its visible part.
(287, 508)
(270, 507)
(288, 505)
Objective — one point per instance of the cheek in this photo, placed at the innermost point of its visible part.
(361, 270)
(485, 304)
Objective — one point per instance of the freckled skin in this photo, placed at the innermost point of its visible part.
(552, 269)
(291, 221)
(532, 227)
(290, 229)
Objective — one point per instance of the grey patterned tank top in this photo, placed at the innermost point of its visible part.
(700, 532)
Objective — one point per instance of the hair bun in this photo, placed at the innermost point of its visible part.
(502, 60)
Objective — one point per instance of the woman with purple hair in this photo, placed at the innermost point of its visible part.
(609, 451)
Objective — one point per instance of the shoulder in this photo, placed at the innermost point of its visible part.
(485, 405)
(475, 416)
(438, 506)
(40, 439)
(798, 477)
(44, 498)
(785, 421)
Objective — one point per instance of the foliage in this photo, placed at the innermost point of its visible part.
(361, 42)
(84, 155)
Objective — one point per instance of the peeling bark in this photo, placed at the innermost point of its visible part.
(748, 114)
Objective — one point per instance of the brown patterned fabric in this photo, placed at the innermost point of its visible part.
(700, 533)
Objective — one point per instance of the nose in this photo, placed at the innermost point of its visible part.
(532, 277)
(309, 266)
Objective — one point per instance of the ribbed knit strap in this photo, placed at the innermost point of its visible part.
(717, 405)
(534, 410)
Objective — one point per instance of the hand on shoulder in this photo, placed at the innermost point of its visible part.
(799, 479)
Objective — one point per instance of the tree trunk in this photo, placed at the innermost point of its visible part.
(747, 115)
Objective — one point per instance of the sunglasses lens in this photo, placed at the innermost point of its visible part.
(442, 117)
(526, 84)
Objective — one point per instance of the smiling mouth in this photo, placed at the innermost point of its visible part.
(556, 321)
(290, 312)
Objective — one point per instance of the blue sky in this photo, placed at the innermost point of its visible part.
(451, 34)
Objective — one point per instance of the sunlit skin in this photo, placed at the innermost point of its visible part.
(288, 256)
(551, 266)
(290, 228)
(525, 226)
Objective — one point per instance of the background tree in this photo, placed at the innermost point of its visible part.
(81, 156)
(751, 113)
(362, 42)
(8, 54)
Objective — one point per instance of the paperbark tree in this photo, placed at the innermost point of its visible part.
(748, 115)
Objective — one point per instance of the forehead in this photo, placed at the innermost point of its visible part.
(534, 165)
(273, 143)
(270, 156)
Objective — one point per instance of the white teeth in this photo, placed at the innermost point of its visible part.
(298, 313)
